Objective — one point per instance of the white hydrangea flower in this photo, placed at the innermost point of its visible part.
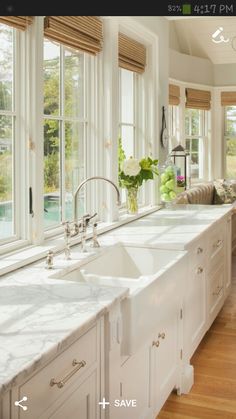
(131, 167)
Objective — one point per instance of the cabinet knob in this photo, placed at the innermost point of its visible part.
(199, 270)
(219, 243)
(161, 335)
(156, 343)
(199, 250)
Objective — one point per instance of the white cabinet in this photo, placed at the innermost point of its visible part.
(166, 354)
(135, 385)
(228, 273)
(216, 269)
(195, 316)
(68, 387)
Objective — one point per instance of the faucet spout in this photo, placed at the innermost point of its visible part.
(76, 193)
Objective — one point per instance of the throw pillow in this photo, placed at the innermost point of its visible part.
(224, 193)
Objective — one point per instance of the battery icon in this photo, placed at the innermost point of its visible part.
(186, 9)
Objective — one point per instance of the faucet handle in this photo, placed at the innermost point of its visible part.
(87, 217)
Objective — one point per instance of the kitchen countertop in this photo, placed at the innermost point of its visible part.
(174, 228)
(40, 316)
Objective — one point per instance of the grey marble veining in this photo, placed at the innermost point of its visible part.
(40, 316)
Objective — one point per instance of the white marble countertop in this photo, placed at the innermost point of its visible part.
(174, 228)
(40, 316)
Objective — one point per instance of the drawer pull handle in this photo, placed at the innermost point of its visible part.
(156, 343)
(199, 270)
(199, 250)
(161, 335)
(62, 382)
(218, 292)
(218, 243)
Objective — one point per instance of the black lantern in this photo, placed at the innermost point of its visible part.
(181, 160)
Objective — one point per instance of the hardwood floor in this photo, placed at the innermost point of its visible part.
(213, 395)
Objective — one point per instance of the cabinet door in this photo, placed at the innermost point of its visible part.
(216, 291)
(165, 357)
(78, 403)
(228, 270)
(195, 319)
(135, 386)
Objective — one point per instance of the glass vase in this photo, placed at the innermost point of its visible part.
(132, 200)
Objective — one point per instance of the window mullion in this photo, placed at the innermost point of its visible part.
(62, 133)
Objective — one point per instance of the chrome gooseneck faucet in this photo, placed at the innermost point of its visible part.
(76, 193)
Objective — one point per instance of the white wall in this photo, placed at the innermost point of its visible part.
(190, 69)
(160, 27)
(224, 74)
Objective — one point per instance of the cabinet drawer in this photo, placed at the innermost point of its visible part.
(67, 368)
(216, 244)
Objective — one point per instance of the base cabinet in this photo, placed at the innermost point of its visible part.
(166, 354)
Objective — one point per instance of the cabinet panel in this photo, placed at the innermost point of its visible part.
(135, 385)
(228, 270)
(78, 403)
(216, 291)
(165, 357)
(39, 389)
(195, 318)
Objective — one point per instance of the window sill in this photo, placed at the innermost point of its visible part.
(31, 254)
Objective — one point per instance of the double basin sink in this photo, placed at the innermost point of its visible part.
(148, 273)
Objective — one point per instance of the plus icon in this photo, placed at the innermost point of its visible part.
(103, 403)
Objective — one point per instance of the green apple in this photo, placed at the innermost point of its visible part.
(164, 178)
(172, 194)
(164, 189)
(165, 197)
(169, 169)
(170, 184)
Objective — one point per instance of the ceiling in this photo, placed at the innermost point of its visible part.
(194, 37)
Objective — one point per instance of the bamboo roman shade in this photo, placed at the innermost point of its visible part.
(18, 22)
(174, 94)
(84, 33)
(198, 99)
(228, 98)
(132, 54)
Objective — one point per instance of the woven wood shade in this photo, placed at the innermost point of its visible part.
(198, 99)
(132, 54)
(228, 98)
(18, 22)
(174, 94)
(84, 33)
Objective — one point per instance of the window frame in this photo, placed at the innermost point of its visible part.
(62, 120)
(202, 142)
(20, 173)
(225, 136)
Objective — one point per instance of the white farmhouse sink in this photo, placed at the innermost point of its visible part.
(150, 274)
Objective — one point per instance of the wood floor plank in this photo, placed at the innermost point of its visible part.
(213, 395)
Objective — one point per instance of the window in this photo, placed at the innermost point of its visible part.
(195, 141)
(8, 137)
(230, 141)
(65, 127)
(127, 112)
